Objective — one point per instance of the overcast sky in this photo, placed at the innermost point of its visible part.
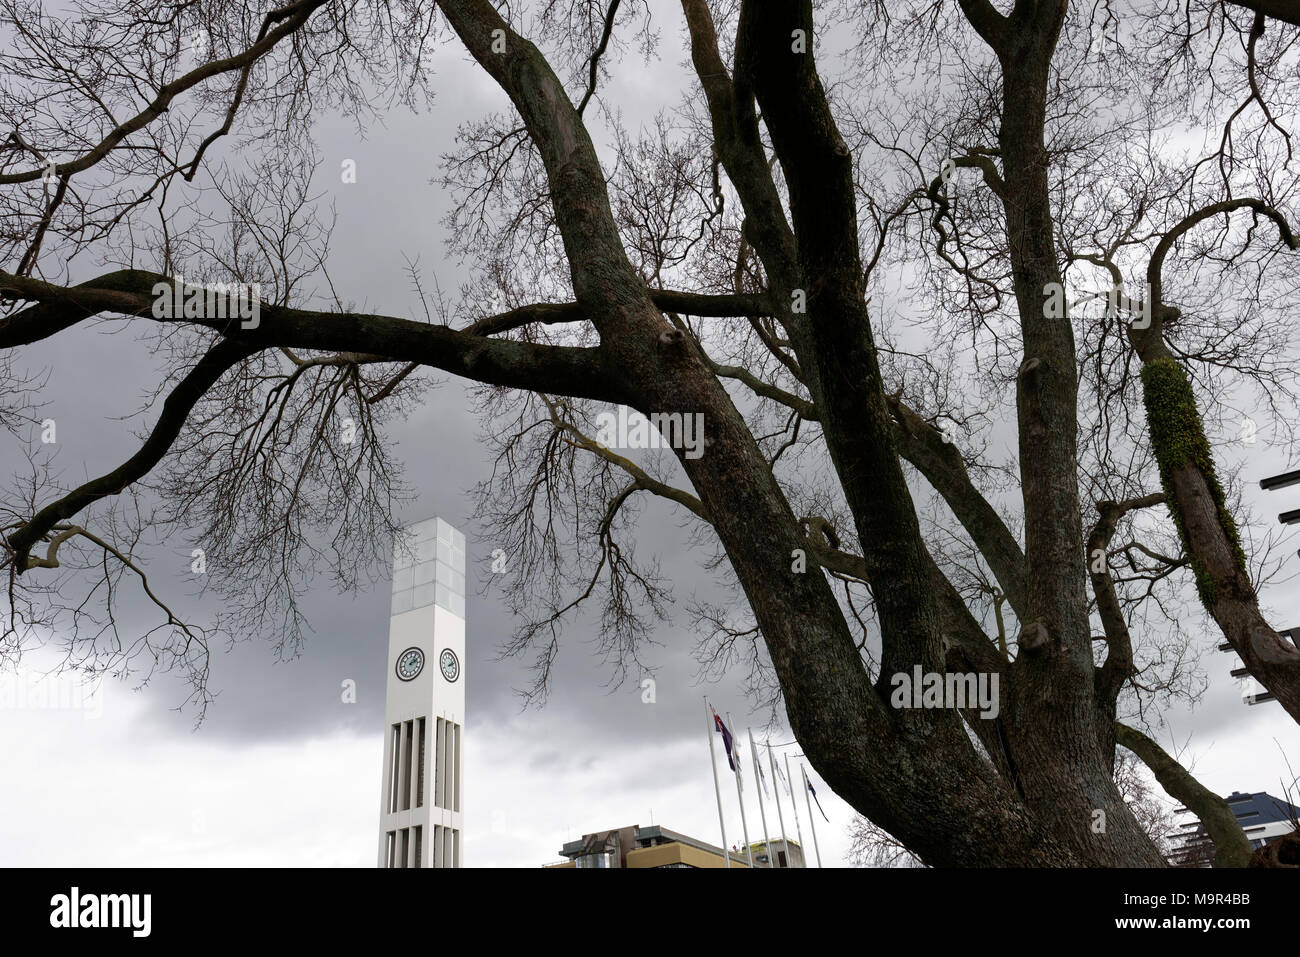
(283, 772)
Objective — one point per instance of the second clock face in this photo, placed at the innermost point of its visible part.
(410, 663)
(450, 664)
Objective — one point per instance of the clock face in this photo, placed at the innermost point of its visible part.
(410, 663)
(450, 664)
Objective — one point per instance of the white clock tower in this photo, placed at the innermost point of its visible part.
(421, 810)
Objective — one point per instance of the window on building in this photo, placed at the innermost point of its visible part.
(439, 748)
(419, 775)
(395, 766)
(455, 776)
(407, 747)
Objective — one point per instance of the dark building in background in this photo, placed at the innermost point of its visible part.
(1262, 816)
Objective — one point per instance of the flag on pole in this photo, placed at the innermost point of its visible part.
(762, 778)
(733, 753)
(814, 794)
(717, 792)
(781, 775)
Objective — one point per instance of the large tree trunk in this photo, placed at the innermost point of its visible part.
(918, 776)
(1055, 719)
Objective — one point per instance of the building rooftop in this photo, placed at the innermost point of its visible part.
(1260, 808)
(612, 848)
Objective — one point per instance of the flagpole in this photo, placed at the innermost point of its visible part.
(776, 792)
(762, 813)
(794, 803)
(812, 822)
(744, 826)
(717, 790)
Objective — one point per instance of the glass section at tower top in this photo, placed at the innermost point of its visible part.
(429, 567)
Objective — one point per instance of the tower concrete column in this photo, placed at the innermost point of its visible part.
(421, 812)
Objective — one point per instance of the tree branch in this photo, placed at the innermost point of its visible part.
(580, 372)
(1156, 266)
(176, 408)
(293, 17)
(1231, 847)
(1117, 667)
(941, 464)
(1288, 11)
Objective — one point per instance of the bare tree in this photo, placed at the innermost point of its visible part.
(758, 262)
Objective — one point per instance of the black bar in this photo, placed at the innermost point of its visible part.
(1280, 481)
(211, 902)
(1290, 518)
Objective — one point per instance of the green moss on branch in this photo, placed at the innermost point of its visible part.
(1178, 438)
